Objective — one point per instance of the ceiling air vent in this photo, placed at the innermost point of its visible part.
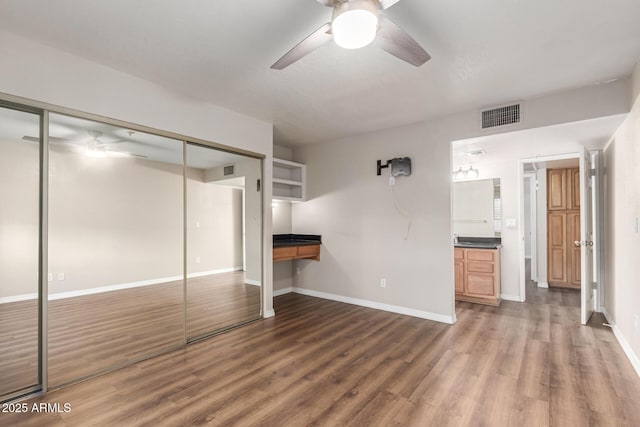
(500, 116)
(229, 170)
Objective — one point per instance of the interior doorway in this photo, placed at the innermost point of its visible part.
(558, 199)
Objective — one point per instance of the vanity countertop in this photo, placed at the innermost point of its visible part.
(281, 240)
(478, 242)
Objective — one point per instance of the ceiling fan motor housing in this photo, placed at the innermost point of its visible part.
(354, 23)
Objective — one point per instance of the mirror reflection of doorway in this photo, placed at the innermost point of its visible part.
(224, 228)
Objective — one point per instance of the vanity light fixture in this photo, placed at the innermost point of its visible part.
(461, 174)
(472, 173)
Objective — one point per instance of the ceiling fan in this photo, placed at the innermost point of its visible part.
(355, 24)
(93, 147)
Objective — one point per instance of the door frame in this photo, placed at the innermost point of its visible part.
(596, 206)
(533, 221)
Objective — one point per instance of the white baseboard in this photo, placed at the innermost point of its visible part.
(377, 305)
(508, 297)
(269, 313)
(283, 291)
(117, 287)
(543, 285)
(253, 282)
(628, 351)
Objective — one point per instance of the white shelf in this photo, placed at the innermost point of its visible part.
(288, 180)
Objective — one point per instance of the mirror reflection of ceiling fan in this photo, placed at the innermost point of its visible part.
(355, 24)
(93, 147)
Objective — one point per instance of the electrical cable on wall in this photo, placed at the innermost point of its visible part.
(399, 166)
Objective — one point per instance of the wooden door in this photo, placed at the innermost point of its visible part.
(574, 256)
(557, 247)
(556, 189)
(573, 189)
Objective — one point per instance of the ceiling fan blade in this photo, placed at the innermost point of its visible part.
(306, 46)
(328, 3)
(53, 139)
(397, 42)
(386, 4)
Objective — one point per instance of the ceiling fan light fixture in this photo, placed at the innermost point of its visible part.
(354, 24)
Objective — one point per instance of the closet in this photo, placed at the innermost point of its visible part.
(563, 225)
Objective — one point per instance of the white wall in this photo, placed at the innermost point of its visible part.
(34, 71)
(112, 221)
(622, 239)
(371, 230)
(19, 229)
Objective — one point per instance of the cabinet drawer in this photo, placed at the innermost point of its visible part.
(480, 267)
(486, 255)
(458, 253)
(285, 252)
(480, 284)
(311, 250)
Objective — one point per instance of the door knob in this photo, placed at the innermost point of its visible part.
(577, 243)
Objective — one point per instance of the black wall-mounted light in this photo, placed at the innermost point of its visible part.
(399, 166)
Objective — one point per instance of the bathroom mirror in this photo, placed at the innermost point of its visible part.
(477, 208)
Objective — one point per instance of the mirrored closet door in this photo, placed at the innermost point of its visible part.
(116, 271)
(20, 145)
(224, 240)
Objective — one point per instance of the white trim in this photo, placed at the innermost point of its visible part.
(120, 286)
(377, 305)
(283, 291)
(508, 297)
(269, 313)
(16, 298)
(533, 225)
(628, 351)
(543, 285)
(252, 282)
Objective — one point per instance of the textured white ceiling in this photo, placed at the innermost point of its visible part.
(484, 53)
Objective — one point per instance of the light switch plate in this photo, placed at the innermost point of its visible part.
(511, 223)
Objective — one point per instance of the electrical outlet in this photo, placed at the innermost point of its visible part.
(383, 283)
(197, 260)
(50, 277)
(60, 276)
(297, 270)
(392, 180)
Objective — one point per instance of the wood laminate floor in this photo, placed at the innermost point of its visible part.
(96, 332)
(321, 362)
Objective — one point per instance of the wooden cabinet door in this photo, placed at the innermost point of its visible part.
(557, 247)
(574, 252)
(556, 189)
(459, 276)
(573, 189)
(480, 285)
